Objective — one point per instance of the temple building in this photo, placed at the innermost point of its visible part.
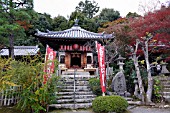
(20, 51)
(71, 46)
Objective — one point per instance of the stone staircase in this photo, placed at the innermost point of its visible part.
(165, 83)
(83, 96)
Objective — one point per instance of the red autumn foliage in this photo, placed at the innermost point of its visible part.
(24, 24)
(156, 23)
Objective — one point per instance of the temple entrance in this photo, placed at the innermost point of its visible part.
(75, 60)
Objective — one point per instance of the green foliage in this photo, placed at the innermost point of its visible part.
(38, 96)
(132, 15)
(5, 77)
(28, 74)
(8, 4)
(130, 75)
(157, 90)
(14, 23)
(88, 8)
(42, 23)
(60, 23)
(95, 86)
(108, 15)
(84, 22)
(105, 104)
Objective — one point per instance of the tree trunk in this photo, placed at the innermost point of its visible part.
(11, 46)
(150, 79)
(141, 88)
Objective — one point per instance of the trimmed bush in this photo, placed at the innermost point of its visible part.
(105, 104)
(94, 84)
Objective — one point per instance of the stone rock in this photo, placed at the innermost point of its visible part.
(119, 84)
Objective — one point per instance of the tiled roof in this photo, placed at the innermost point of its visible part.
(21, 51)
(73, 33)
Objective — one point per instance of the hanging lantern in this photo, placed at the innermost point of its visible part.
(75, 46)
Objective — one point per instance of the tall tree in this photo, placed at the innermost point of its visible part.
(132, 15)
(60, 23)
(84, 22)
(135, 57)
(15, 4)
(108, 15)
(146, 6)
(157, 24)
(88, 8)
(42, 23)
(10, 7)
(13, 27)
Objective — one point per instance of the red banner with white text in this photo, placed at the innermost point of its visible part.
(49, 64)
(101, 60)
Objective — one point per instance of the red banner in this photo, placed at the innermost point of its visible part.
(101, 60)
(49, 63)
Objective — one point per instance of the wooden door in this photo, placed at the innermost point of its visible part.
(83, 60)
(67, 60)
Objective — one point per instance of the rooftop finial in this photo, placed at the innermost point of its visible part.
(76, 22)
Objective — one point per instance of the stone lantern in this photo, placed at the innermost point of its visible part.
(120, 62)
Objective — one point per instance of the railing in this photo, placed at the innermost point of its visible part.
(10, 96)
(74, 87)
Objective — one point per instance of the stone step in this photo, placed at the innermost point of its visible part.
(75, 73)
(83, 94)
(166, 89)
(76, 76)
(77, 93)
(165, 82)
(77, 84)
(166, 93)
(165, 78)
(72, 70)
(167, 98)
(134, 102)
(72, 79)
(166, 86)
(76, 96)
(76, 90)
(72, 106)
(76, 100)
(76, 87)
(128, 98)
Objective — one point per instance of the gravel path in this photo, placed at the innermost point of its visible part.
(138, 109)
(143, 109)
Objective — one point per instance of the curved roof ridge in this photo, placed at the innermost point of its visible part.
(73, 32)
(74, 28)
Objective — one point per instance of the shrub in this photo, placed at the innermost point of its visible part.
(28, 73)
(95, 86)
(105, 104)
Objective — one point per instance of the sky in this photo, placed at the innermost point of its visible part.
(65, 7)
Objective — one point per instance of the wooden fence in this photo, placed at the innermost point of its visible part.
(10, 96)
